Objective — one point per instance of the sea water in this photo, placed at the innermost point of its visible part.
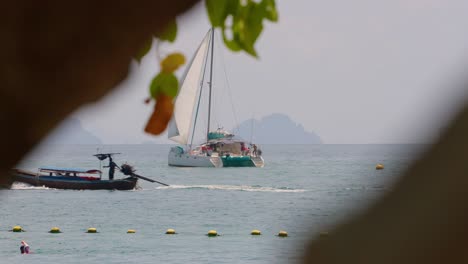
(303, 189)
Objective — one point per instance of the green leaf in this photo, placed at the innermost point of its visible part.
(270, 10)
(247, 26)
(219, 10)
(144, 50)
(169, 33)
(231, 44)
(247, 21)
(164, 83)
(232, 8)
(253, 26)
(216, 11)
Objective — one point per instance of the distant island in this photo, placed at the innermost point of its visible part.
(276, 129)
(271, 129)
(71, 132)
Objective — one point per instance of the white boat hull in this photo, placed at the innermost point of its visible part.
(187, 160)
(179, 158)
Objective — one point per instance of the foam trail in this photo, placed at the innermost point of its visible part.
(245, 188)
(24, 186)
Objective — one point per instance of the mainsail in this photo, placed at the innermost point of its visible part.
(179, 128)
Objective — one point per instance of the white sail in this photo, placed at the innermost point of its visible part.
(179, 128)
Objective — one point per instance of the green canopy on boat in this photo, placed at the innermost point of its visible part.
(219, 134)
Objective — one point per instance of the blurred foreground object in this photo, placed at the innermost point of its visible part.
(423, 219)
(59, 55)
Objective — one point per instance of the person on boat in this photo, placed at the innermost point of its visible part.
(244, 149)
(254, 152)
(111, 170)
(111, 167)
(24, 247)
(203, 149)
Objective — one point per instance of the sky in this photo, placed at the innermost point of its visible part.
(354, 72)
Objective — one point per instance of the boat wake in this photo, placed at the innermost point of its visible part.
(24, 186)
(245, 188)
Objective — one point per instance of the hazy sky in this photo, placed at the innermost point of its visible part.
(353, 71)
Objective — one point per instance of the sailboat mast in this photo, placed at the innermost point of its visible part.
(210, 83)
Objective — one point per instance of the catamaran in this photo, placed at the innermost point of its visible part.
(220, 148)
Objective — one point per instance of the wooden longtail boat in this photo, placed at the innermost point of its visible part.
(81, 179)
(67, 178)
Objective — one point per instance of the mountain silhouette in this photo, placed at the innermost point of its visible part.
(71, 132)
(276, 129)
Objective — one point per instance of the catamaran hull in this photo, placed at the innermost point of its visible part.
(64, 183)
(187, 160)
(242, 161)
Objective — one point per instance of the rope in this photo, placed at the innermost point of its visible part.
(228, 88)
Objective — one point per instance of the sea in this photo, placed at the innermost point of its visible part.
(303, 189)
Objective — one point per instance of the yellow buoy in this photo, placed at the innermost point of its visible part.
(379, 167)
(131, 231)
(212, 233)
(17, 229)
(170, 231)
(282, 233)
(255, 232)
(55, 230)
(91, 230)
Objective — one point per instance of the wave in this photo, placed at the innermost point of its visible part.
(245, 188)
(24, 186)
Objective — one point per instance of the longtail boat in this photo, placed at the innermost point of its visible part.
(81, 179)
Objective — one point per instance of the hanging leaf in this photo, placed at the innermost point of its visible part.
(164, 84)
(270, 10)
(251, 26)
(161, 115)
(232, 7)
(216, 11)
(169, 33)
(247, 21)
(219, 10)
(232, 44)
(172, 62)
(144, 50)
